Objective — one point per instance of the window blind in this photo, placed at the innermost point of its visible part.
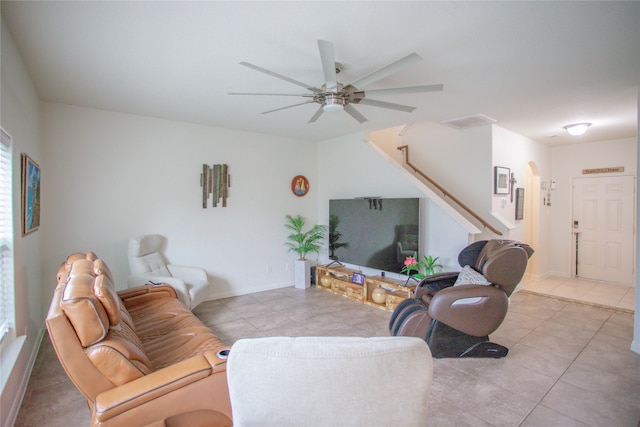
(6, 235)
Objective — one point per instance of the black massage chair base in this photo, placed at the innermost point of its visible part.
(445, 341)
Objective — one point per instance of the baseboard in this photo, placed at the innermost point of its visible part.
(247, 291)
(24, 382)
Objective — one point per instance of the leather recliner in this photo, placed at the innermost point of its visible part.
(147, 266)
(455, 312)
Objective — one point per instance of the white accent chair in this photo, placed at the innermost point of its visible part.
(148, 265)
(330, 381)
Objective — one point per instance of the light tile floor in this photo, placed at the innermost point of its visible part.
(569, 364)
(587, 291)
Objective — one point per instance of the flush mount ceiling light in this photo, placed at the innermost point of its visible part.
(577, 129)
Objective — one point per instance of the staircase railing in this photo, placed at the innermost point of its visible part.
(445, 193)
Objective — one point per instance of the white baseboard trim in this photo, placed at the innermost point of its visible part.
(14, 409)
(247, 291)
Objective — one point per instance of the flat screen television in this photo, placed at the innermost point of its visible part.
(373, 232)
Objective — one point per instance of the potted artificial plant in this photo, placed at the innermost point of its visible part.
(334, 237)
(303, 243)
(412, 267)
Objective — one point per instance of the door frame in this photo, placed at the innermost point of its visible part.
(572, 245)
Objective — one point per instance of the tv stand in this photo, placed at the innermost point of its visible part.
(337, 280)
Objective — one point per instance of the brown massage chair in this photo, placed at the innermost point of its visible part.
(455, 312)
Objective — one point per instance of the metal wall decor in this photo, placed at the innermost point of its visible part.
(519, 203)
(215, 182)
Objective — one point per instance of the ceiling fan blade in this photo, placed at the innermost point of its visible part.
(271, 94)
(317, 115)
(354, 113)
(403, 90)
(387, 70)
(288, 106)
(383, 104)
(328, 64)
(280, 76)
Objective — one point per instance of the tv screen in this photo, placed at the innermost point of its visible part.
(373, 232)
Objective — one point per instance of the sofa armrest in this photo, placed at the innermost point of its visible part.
(134, 296)
(435, 283)
(142, 390)
(188, 273)
(476, 310)
(176, 283)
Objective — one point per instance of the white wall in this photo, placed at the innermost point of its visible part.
(351, 168)
(462, 162)
(568, 161)
(517, 152)
(458, 160)
(110, 176)
(20, 118)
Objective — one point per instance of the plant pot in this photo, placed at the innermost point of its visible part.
(301, 274)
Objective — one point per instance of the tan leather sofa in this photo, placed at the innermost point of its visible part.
(139, 356)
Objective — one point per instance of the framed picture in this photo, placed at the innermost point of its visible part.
(300, 185)
(30, 195)
(358, 278)
(501, 180)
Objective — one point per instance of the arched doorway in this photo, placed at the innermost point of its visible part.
(531, 217)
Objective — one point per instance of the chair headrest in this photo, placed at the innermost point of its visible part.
(144, 245)
(501, 262)
(89, 299)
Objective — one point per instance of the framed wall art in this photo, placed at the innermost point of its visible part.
(501, 180)
(300, 185)
(30, 195)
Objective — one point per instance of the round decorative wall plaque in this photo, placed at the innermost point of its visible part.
(300, 185)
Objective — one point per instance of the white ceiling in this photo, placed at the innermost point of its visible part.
(532, 66)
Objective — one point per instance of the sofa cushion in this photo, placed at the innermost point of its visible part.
(468, 276)
(329, 381)
(150, 264)
(100, 267)
(120, 356)
(106, 294)
(170, 333)
(84, 310)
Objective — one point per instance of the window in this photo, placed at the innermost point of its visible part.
(6, 235)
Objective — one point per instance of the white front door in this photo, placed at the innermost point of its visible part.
(604, 231)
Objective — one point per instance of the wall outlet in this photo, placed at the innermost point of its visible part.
(269, 268)
(287, 267)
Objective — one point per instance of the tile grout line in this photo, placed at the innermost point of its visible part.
(573, 360)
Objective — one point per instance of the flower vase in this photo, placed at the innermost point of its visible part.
(379, 295)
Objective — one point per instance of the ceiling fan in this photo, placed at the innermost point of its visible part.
(335, 96)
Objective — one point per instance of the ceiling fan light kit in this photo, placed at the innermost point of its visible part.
(577, 129)
(333, 103)
(334, 96)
